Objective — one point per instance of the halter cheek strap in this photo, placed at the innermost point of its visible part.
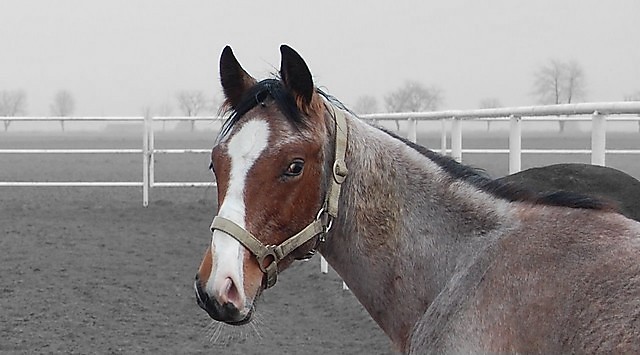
(268, 256)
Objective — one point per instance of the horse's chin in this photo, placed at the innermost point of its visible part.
(244, 320)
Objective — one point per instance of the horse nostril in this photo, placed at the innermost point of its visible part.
(229, 293)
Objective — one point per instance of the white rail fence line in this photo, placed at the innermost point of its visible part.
(148, 155)
(598, 113)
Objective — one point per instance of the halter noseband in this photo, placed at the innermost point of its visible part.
(272, 254)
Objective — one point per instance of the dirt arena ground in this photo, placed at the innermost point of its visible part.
(89, 270)
(92, 271)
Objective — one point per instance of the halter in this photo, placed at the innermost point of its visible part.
(319, 227)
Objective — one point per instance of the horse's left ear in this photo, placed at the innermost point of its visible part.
(296, 75)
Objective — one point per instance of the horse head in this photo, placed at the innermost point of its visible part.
(270, 165)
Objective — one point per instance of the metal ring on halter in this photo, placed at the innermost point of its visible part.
(269, 251)
(329, 224)
(326, 227)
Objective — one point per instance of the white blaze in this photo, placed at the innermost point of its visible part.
(244, 148)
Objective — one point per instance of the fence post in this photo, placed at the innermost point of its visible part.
(324, 265)
(412, 131)
(152, 145)
(515, 144)
(145, 161)
(456, 139)
(598, 138)
(443, 136)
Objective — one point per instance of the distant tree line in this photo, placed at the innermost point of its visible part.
(554, 82)
(14, 103)
(191, 103)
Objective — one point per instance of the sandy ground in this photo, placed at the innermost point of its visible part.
(91, 271)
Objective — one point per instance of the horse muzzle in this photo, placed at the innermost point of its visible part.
(222, 312)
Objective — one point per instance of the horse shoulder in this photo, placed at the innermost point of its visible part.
(562, 280)
(567, 281)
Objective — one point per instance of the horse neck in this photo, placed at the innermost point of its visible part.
(404, 227)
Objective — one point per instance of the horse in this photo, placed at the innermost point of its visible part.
(443, 258)
(606, 183)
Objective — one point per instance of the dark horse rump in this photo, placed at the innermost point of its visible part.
(603, 182)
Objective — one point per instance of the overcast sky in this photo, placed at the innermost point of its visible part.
(118, 56)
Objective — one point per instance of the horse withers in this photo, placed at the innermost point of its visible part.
(443, 258)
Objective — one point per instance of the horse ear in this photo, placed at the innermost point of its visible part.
(235, 80)
(296, 75)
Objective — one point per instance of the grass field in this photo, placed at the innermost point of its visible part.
(88, 270)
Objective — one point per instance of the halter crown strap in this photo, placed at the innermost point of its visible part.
(339, 170)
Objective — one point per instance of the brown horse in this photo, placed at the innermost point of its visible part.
(444, 259)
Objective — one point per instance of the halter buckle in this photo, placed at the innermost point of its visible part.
(340, 171)
(270, 270)
(268, 252)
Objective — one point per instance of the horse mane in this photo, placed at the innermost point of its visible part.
(257, 95)
(509, 191)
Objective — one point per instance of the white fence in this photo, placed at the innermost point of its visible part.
(598, 113)
(148, 153)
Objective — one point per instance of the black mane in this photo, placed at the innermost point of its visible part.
(506, 190)
(258, 95)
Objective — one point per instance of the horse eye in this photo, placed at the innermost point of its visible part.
(295, 168)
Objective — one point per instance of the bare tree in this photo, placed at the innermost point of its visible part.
(366, 104)
(559, 82)
(548, 82)
(490, 102)
(413, 97)
(191, 103)
(12, 103)
(632, 97)
(63, 105)
(575, 82)
(164, 110)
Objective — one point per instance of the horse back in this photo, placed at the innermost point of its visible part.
(557, 280)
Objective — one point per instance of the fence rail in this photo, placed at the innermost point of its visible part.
(598, 113)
